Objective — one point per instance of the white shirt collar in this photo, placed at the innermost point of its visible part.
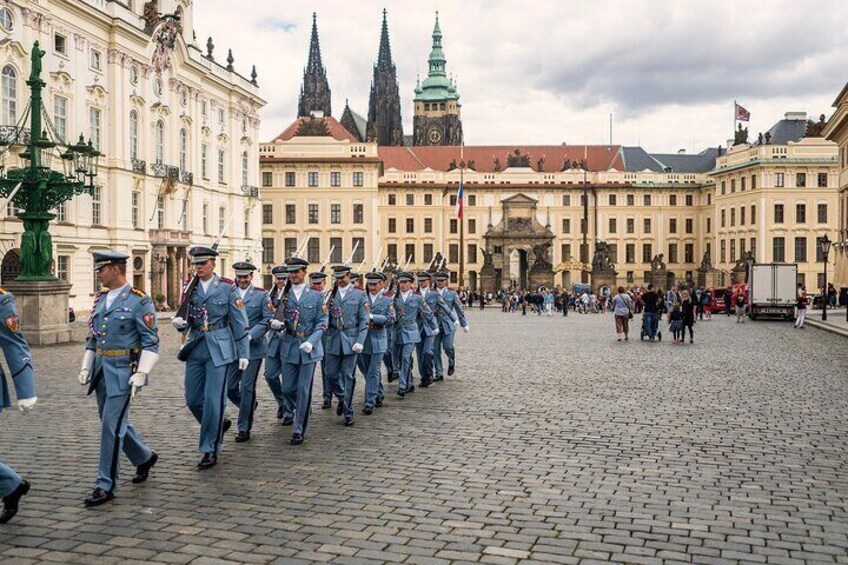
(298, 289)
(406, 294)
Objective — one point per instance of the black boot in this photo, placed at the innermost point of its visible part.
(242, 437)
(326, 405)
(340, 409)
(209, 460)
(451, 367)
(11, 500)
(143, 470)
(296, 439)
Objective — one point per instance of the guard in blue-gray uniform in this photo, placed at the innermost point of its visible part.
(329, 388)
(302, 320)
(217, 335)
(241, 385)
(389, 358)
(345, 336)
(449, 304)
(381, 317)
(121, 349)
(273, 367)
(16, 352)
(409, 306)
(428, 330)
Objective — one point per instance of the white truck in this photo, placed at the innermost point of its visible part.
(773, 290)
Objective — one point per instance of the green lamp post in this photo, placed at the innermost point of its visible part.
(35, 187)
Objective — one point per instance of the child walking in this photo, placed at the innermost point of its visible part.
(675, 323)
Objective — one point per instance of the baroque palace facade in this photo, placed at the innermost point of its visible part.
(177, 125)
(537, 214)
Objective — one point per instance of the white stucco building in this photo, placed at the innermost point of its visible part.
(175, 120)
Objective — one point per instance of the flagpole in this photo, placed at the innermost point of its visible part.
(461, 278)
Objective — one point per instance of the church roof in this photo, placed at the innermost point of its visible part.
(335, 129)
(599, 157)
(437, 86)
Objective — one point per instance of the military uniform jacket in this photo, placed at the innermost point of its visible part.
(305, 320)
(118, 334)
(348, 321)
(383, 310)
(449, 303)
(218, 317)
(436, 304)
(259, 309)
(272, 338)
(407, 313)
(16, 352)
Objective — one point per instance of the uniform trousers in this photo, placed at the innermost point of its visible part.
(403, 362)
(9, 480)
(425, 356)
(388, 358)
(116, 434)
(331, 381)
(369, 365)
(241, 390)
(205, 393)
(274, 378)
(297, 388)
(340, 373)
(443, 342)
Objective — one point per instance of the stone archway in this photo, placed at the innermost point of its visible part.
(517, 250)
(11, 267)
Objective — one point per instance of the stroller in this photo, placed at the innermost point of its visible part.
(646, 331)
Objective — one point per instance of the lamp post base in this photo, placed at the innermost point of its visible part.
(43, 310)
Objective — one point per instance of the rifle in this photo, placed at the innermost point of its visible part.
(182, 311)
(280, 313)
(352, 253)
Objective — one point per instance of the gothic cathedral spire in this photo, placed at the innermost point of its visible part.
(315, 92)
(437, 109)
(384, 120)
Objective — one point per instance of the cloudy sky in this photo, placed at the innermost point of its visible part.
(548, 72)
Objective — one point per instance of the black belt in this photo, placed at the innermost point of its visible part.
(210, 328)
(298, 334)
(343, 328)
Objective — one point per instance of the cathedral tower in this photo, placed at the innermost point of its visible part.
(384, 121)
(437, 109)
(315, 92)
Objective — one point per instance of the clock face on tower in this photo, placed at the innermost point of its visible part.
(434, 136)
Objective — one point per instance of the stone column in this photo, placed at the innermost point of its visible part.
(43, 310)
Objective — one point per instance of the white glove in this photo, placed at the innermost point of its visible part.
(370, 316)
(276, 325)
(84, 377)
(249, 338)
(179, 323)
(465, 328)
(88, 360)
(357, 348)
(456, 322)
(26, 404)
(243, 363)
(138, 380)
(146, 362)
(306, 347)
(437, 332)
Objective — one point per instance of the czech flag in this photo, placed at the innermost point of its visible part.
(742, 115)
(460, 199)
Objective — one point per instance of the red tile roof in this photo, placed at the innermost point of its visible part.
(599, 157)
(337, 130)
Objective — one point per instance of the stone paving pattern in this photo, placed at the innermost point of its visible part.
(553, 443)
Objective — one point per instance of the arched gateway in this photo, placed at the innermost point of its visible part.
(519, 242)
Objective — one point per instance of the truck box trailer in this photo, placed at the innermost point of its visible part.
(773, 290)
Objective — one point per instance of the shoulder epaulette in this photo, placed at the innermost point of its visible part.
(138, 292)
(227, 281)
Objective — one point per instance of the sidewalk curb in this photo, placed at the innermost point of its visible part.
(824, 326)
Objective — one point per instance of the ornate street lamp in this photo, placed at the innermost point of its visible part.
(35, 187)
(824, 246)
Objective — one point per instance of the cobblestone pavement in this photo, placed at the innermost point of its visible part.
(553, 443)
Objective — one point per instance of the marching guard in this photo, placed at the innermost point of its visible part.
(429, 331)
(273, 367)
(302, 320)
(329, 387)
(241, 384)
(409, 306)
(390, 286)
(381, 317)
(448, 304)
(120, 352)
(16, 352)
(344, 338)
(217, 336)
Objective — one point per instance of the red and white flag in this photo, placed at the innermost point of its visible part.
(742, 115)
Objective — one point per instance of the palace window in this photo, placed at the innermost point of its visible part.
(801, 180)
(336, 246)
(410, 225)
(565, 251)
(313, 250)
(62, 267)
(801, 213)
(631, 225)
(95, 122)
(566, 200)
(409, 254)
(690, 200)
(472, 226)
(410, 199)
(472, 252)
(630, 253)
(646, 200)
(672, 200)
(60, 117)
(753, 182)
(358, 244)
(222, 218)
(96, 206)
(267, 213)
(133, 134)
(335, 213)
(358, 213)
(732, 217)
(612, 199)
(709, 224)
(566, 225)
(822, 213)
(472, 200)
(647, 253)
(312, 179)
(778, 213)
(613, 225)
(222, 157)
(646, 225)
(136, 209)
(392, 225)
(358, 178)
(291, 214)
(267, 249)
(204, 160)
(290, 178)
(428, 199)
(800, 249)
(391, 252)
(778, 180)
(160, 212)
(245, 169)
(428, 225)
(672, 253)
(289, 246)
(335, 178)
(631, 200)
(753, 214)
(205, 217)
(453, 253)
(778, 250)
(454, 226)
(689, 253)
(427, 256)
(822, 180)
(183, 149)
(159, 141)
(672, 225)
(690, 225)
(267, 178)
(313, 215)
(392, 199)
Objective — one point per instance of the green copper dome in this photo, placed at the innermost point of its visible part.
(437, 87)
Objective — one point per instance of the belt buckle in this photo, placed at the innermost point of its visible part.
(204, 328)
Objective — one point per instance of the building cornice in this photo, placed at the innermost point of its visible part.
(774, 162)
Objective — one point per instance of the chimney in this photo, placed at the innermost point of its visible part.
(681, 151)
(795, 116)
